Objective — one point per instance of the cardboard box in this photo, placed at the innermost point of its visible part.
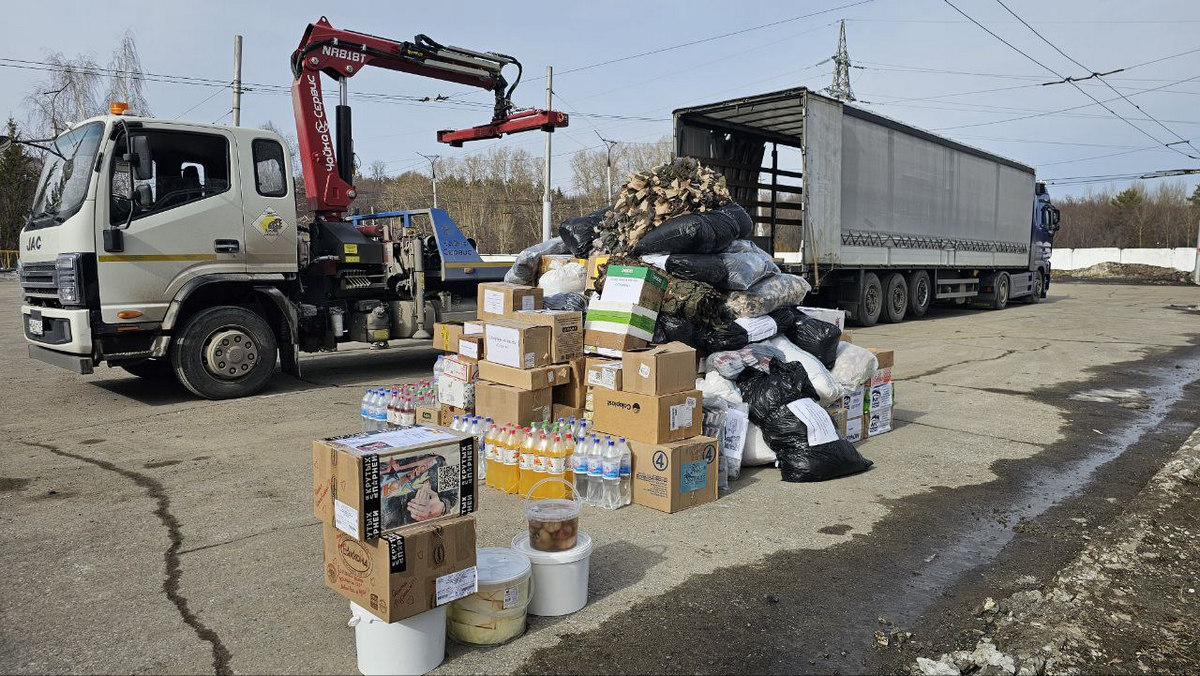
(879, 397)
(365, 484)
(460, 368)
(457, 393)
(612, 327)
(662, 369)
(566, 331)
(525, 379)
(835, 317)
(428, 415)
(674, 476)
(847, 336)
(517, 344)
(446, 335)
(573, 393)
(878, 421)
(648, 418)
(594, 262)
(855, 429)
(471, 347)
(606, 373)
(447, 412)
(887, 359)
(402, 575)
(634, 284)
(548, 262)
(561, 411)
(506, 404)
(854, 401)
(840, 418)
(497, 300)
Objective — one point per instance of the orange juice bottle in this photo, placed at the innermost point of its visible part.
(512, 459)
(490, 454)
(556, 468)
(568, 450)
(541, 463)
(528, 454)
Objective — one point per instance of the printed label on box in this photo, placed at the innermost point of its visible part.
(530, 360)
(854, 429)
(644, 370)
(881, 421)
(493, 301)
(623, 289)
(816, 420)
(527, 302)
(881, 376)
(853, 402)
(681, 414)
(758, 328)
(881, 396)
(468, 349)
(405, 436)
(456, 585)
(345, 518)
(693, 476)
(504, 345)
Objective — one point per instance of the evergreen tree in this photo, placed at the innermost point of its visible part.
(18, 178)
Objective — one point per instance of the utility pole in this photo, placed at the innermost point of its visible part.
(433, 174)
(840, 89)
(546, 173)
(1196, 267)
(237, 80)
(608, 164)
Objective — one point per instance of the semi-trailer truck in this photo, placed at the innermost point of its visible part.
(882, 218)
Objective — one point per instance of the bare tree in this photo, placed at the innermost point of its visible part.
(67, 95)
(126, 78)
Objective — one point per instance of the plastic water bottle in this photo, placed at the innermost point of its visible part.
(483, 428)
(456, 424)
(365, 411)
(595, 489)
(381, 402)
(611, 465)
(579, 466)
(625, 485)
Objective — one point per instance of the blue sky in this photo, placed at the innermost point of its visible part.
(904, 50)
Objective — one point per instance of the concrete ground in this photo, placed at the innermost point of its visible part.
(146, 531)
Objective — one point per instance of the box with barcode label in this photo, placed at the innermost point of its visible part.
(402, 574)
(497, 300)
(367, 485)
(675, 475)
(647, 418)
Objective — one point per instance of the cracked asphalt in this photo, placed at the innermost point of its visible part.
(146, 531)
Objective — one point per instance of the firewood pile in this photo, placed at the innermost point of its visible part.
(654, 196)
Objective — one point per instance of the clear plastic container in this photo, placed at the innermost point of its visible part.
(496, 613)
(553, 522)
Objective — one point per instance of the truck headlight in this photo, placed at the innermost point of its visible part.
(69, 278)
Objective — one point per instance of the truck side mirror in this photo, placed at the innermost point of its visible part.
(140, 159)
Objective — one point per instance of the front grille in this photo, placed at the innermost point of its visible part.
(39, 279)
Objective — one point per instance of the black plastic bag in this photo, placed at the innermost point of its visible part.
(565, 301)
(578, 233)
(705, 268)
(768, 396)
(730, 337)
(670, 328)
(706, 232)
(818, 338)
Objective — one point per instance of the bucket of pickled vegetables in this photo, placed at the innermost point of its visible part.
(553, 522)
(496, 613)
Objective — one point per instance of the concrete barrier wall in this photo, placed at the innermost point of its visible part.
(1181, 258)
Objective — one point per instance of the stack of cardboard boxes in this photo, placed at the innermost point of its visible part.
(867, 411)
(397, 511)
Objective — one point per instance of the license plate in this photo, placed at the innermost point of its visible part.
(35, 326)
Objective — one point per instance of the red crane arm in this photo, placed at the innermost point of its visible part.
(328, 158)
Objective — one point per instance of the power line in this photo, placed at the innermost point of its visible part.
(206, 99)
(1099, 77)
(1056, 73)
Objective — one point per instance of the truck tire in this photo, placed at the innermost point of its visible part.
(920, 293)
(870, 301)
(895, 298)
(1039, 288)
(224, 352)
(1000, 287)
(151, 369)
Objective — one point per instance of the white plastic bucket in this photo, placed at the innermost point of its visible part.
(560, 579)
(496, 613)
(414, 646)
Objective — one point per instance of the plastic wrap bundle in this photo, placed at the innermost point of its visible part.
(827, 386)
(806, 445)
(854, 365)
(565, 301)
(706, 232)
(578, 233)
(669, 327)
(776, 291)
(716, 387)
(816, 337)
(726, 418)
(524, 270)
(570, 278)
(731, 363)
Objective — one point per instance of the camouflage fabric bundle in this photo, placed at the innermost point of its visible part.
(654, 196)
(698, 302)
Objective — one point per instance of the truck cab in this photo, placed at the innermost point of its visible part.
(1045, 223)
(131, 218)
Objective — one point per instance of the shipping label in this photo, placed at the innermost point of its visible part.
(758, 328)
(345, 518)
(816, 420)
(493, 301)
(681, 415)
(468, 349)
(504, 346)
(527, 302)
(456, 585)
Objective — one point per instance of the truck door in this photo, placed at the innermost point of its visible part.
(188, 222)
(269, 207)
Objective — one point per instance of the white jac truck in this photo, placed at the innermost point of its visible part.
(173, 249)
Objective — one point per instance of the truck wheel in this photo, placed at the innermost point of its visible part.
(151, 369)
(920, 293)
(870, 303)
(999, 299)
(224, 352)
(895, 298)
(1039, 287)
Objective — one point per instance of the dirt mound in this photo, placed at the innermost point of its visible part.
(1126, 271)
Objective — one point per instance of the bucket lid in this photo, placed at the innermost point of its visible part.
(498, 565)
(581, 550)
(553, 509)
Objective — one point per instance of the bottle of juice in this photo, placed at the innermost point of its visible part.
(511, 448)
(541, 463)
(528, 454)
(492, 478)
(568, 452)
(556, 467)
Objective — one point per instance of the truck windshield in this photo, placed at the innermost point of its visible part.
(64, 180)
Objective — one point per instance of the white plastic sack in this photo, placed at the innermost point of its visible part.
(854, 365)
(756, 452)
(717, 388)
(524, 269)
(570, 278)
(827, 386)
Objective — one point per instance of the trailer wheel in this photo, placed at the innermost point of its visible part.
(224, 352)
(920, 293)
(999, 299)
(895, 298)
(870, 302)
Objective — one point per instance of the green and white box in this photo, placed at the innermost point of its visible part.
(611, 327)
(634, 285)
